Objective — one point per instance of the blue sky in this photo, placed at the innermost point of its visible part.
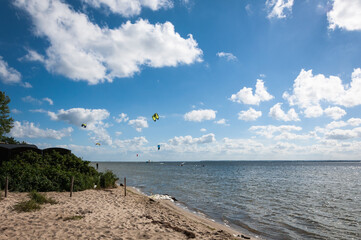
(231, 80)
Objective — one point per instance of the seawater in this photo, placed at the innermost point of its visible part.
(266, 199)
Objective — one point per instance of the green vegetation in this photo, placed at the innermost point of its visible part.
(40, 199)
(36, 199)
(6, 122)
(27, 206)
(108, 179)
(30, 171)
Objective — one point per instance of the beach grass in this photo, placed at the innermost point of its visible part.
(36, 199)
(40, 198)
(27, 206)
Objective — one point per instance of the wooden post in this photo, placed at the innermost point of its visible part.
(6, 186)
(71, 186)
(125, 187)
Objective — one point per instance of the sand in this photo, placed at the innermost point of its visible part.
(106, 214)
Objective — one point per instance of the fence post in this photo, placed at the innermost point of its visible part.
(125, 187)
(6, 186)
(71, 186)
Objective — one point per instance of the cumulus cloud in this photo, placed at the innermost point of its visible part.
(84, 51)
(269, 130)
(345, 14)
(128, 8)
(343, 134)
(139, 123)
(122, 118)
(246, 96)
(222, 122)
(29, 130)
(203, 130)
(92, 117)
(335, 112)
(189, 140)
(228, 56)
(200, 115)
(310, 91)
(277, 113)
(354, 122)
(77, 116)
(249, 115)
(277, 8)
(9, 75)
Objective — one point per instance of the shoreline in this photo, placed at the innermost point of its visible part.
(107, 214)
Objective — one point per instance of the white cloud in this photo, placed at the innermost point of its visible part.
(134, 144)
(203, 130)
(246, 96)
(343, 134)
(84, 51)
(345, 14)
(200, 115)
(248, 8)
(77, 116)
(338, 124)
(277, 8)
(309, 91)
(269, 130)
(9, 75)
(29, 130)
(48, 100)
(139, 123)
(249, 115)
(277, 113)
(30, 99)
(33, 56)
(189, 140)
(128, 8)
(118, 133)
(122, 118)
(228, 56)
(15, 111)
(222, 122)
(335, 112)
(93, 119)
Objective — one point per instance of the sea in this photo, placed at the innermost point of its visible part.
(264, 199)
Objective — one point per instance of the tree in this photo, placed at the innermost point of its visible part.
(6, 122)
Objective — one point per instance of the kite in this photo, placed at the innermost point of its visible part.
(137, 154)
(158, 147)
(155, 117)
(83, 125)
(98, 144)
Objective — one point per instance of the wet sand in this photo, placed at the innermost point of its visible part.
(106, 214)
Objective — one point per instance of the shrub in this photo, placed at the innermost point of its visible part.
(108, 179)
(29, 171)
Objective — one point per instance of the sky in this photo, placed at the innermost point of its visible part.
(230, 80)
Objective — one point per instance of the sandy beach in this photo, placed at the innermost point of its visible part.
(106, 214)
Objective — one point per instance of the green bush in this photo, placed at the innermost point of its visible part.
(108, 179)
(29, 171)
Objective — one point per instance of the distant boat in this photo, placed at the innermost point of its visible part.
(182, 164)
(148, 161)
